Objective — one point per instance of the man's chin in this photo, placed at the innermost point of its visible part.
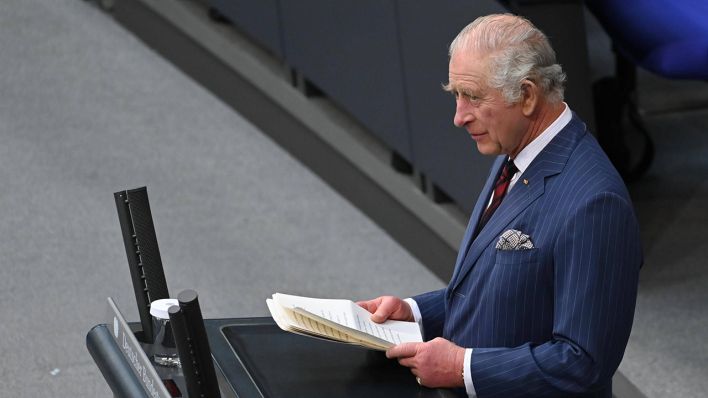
(489, 150)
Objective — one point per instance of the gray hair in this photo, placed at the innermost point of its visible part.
(517, 51)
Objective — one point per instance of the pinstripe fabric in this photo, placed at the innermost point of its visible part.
(553, 320)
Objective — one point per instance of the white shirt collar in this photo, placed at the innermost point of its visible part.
(529, 153)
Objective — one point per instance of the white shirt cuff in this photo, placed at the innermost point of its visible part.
(467, 373)
(416, 314)
(467, 367)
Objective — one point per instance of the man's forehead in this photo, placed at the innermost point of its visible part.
(467, 67)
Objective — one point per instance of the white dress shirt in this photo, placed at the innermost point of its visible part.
(522, 162)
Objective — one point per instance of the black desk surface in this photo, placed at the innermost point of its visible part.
(257, 359)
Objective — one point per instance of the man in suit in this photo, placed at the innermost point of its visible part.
(542, 298)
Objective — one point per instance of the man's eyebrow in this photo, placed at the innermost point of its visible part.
(447, 87)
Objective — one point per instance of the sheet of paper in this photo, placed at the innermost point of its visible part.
(291, 321)
(350, 315)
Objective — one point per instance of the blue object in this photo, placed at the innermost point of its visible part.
(667, 37)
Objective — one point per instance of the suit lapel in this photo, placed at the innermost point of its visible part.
(479, 207)
(549, 162)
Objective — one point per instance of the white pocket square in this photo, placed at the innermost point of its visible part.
(514, 240)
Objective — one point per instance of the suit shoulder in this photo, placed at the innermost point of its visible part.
(589, 164)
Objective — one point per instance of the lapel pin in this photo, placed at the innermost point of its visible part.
(526, 182)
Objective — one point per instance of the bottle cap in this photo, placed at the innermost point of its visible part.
(158, 308)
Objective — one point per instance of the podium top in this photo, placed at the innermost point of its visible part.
(257, 359)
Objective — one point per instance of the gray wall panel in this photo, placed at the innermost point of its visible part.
(259, 19)
(349, 50)
(446, 154)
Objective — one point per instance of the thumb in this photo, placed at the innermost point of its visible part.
(384, 311)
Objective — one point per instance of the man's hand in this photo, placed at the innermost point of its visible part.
(436, 363)
(387, 307)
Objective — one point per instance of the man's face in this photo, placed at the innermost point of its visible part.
(496, 127)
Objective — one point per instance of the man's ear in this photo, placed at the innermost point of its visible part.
(529, 97)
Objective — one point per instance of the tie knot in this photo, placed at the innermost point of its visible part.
(509, 169)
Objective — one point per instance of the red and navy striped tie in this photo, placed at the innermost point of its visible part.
(500, 188)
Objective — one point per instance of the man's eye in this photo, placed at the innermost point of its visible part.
(466, 96)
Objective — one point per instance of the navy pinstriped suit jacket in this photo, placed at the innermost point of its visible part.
(551, 321)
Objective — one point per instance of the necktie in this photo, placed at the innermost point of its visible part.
(500, 188)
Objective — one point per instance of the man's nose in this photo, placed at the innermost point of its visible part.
(462, 114)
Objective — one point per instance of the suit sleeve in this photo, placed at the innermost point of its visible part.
(597, 257)
(432, 312)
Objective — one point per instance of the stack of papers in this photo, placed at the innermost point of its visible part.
(339, 320)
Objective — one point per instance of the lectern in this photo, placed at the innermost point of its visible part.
(244, 358)
(255, 359)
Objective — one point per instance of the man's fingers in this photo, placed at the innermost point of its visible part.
(407, 362)
(403, 350)
(386, 307)
(384, 311)
(367, 305)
